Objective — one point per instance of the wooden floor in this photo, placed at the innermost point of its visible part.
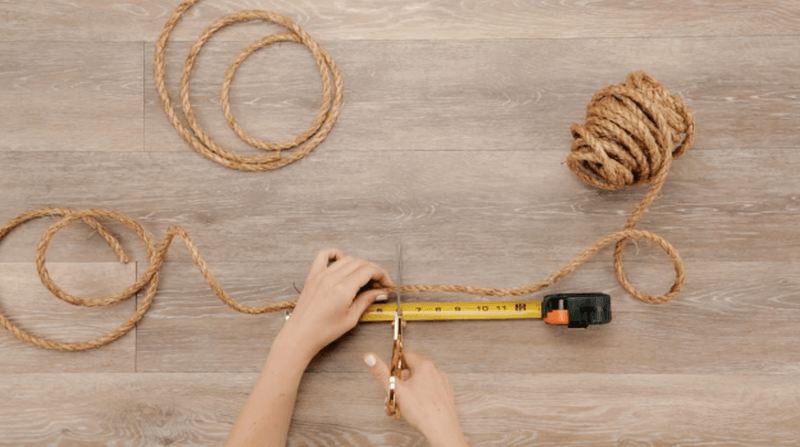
(452, 140)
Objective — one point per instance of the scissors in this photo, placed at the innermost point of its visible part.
(398, 363)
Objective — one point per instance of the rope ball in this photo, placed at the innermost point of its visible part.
(631, 134)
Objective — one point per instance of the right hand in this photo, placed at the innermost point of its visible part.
(426, 399)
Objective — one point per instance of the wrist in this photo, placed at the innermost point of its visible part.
(292, 348)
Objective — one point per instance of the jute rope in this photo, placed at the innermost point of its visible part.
(149, 278)
(196, 136)
(632, 133)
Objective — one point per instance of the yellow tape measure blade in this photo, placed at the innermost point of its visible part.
(496, 310)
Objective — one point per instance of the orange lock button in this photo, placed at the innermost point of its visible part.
(577, 309)
(557, 317)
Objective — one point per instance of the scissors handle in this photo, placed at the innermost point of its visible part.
(397, 366)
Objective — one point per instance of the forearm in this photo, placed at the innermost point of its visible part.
(331, 303)
(265, 418)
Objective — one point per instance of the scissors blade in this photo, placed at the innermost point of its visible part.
(399, 279)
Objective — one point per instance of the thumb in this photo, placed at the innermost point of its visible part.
(378, 369)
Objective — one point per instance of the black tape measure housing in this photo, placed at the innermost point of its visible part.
(577, 310)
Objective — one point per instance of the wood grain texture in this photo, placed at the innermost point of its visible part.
(25, 301)
(453, 140)
(54, 93)
(496, 409)
(466, 208)
(189, 330)
(486, 95)
(399, 19)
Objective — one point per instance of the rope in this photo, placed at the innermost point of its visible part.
(196, 136)
(629, 138)
(149, 278)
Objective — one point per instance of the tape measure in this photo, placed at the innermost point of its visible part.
(571, 309)
(497, 310)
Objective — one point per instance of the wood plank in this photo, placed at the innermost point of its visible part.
(426, 95)
(452, 140)
(573, 409)
(346, 409)
(67, 96)
(138, 409)
(29, 305)
(725, 322)
(459, 208)
(353, 19)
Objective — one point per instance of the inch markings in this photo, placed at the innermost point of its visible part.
(496, 310)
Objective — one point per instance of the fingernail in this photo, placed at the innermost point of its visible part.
(370, 360)
(381, 297)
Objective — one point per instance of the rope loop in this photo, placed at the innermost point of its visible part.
(200, 140)
(149, 278)
(633, 131)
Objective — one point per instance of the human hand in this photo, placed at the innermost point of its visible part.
(426, 398)
(330, 303)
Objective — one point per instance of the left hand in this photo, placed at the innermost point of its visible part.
(330, 304)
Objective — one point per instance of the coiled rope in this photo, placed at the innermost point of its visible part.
(632, 133)
(200, 141)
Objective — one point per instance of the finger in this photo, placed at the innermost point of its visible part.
(378, 369)
(345, 266)
(380, 298)
(362, 302)
(323, 257)
(367, 273)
